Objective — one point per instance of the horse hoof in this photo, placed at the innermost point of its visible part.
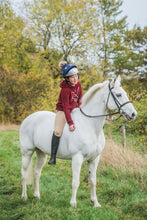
(73, 204)
(36, 196)
(97, 205)
(24, 197)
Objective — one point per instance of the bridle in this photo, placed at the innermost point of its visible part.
(115, 100)
(118, 104)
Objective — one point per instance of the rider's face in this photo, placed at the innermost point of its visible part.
(73, 79)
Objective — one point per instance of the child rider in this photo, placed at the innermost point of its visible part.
(69, 98)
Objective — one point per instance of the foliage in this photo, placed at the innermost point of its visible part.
(111, 31)
(14, 46)
(88, 76)
(53, 58)
(137, 93)
(22, 94)
(133, 57)
(60, 26)
(121, 192)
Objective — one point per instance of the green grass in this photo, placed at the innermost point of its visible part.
(121, 192)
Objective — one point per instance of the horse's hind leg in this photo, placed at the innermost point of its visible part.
(77, 161)
(26, 159)
(92, 167)
(41, 160)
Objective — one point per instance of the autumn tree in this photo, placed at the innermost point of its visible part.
(42, 16)
(75, 28)
(65, 26)
(14, 45)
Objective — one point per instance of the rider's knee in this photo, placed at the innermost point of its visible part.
(57, 133)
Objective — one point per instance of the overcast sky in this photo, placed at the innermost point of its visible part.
(136, 10)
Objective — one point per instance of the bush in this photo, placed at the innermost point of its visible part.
(22, 94)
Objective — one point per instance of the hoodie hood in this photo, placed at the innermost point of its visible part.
(65, 84)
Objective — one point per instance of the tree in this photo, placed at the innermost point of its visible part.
(53, 58)
(14, 45)
(42, 15)
(136, 52)
(111, 31)
(74, 28)
(62, 25)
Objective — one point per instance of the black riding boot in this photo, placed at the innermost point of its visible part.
(54, 148)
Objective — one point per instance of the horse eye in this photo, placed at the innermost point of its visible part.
(118, 95)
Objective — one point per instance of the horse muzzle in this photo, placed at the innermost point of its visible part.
(130, 117)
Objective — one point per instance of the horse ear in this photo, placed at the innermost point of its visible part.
(117, 81)
(113, 82)
(119, 78)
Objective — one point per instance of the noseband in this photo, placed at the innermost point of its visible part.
(118, 104)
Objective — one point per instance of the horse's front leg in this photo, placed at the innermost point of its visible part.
(77, 161)
(92, 167)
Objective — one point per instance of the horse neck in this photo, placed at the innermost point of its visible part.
(97, 106)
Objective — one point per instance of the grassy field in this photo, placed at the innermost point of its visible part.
(121, 186)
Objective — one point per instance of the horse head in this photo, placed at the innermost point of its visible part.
(117, 100)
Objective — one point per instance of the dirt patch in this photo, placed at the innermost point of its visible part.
(9, 127)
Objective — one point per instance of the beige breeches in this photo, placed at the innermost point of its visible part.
(60, 121)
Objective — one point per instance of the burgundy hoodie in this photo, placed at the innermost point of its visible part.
(69, 99)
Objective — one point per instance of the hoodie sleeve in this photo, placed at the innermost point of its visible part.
(65, 96)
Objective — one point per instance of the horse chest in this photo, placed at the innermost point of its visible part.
(90, 149)
(93, 145)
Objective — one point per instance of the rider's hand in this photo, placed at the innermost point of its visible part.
(72, 127)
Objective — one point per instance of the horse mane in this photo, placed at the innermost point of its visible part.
(91, 92)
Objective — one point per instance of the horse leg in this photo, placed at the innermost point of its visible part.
(41, 160)
(92, 167)
(26, 159)
(77, 161)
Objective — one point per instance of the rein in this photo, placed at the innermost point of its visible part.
(96, 116)
(109, 114)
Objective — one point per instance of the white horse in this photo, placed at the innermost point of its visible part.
(84, 144)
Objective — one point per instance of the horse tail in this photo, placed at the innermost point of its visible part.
(29, 178)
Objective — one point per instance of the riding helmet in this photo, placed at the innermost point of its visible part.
(68, 69)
